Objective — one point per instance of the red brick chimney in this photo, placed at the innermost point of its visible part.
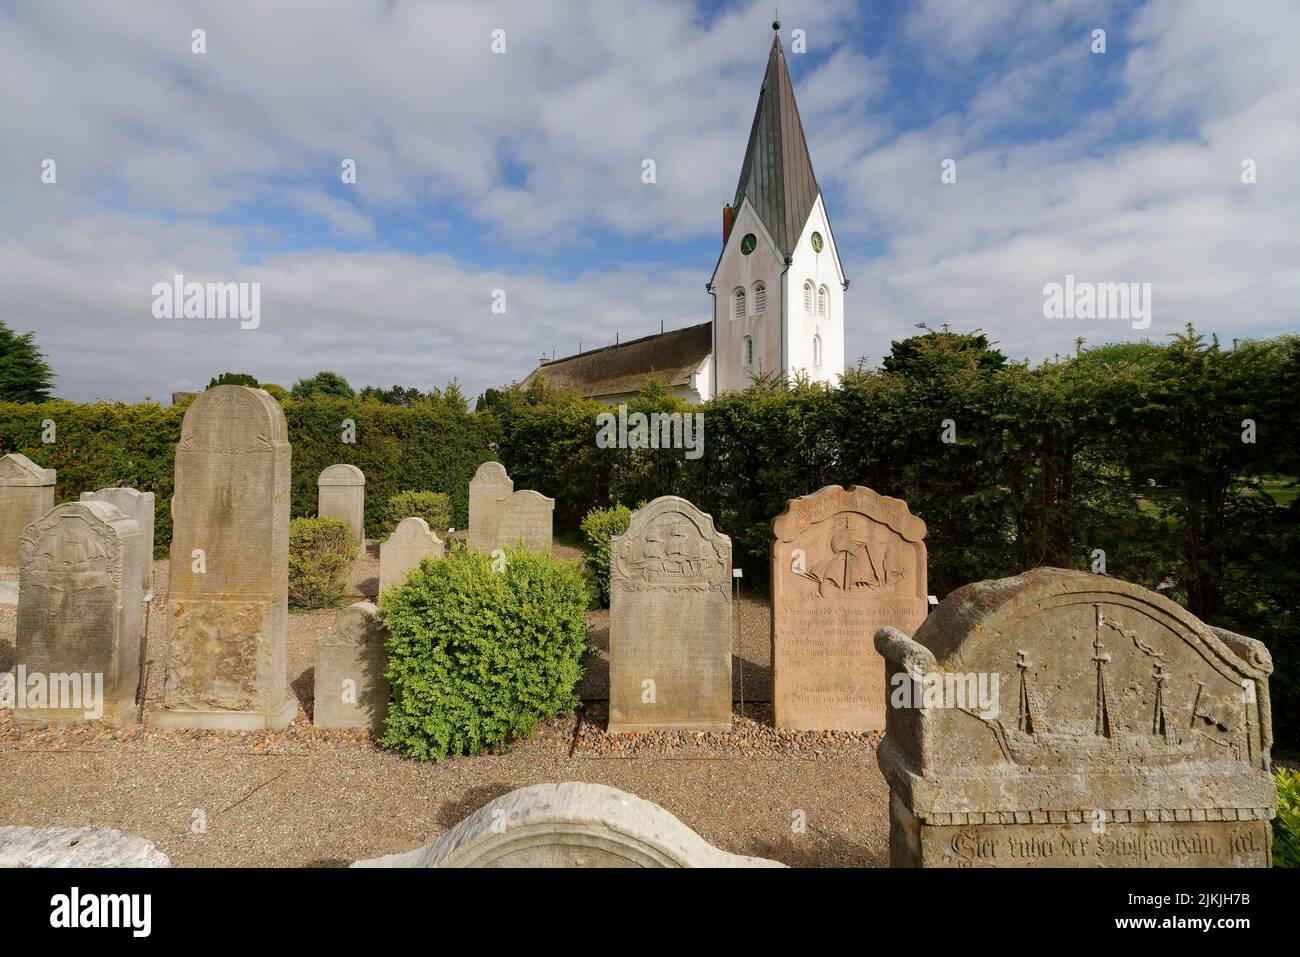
(726, 223)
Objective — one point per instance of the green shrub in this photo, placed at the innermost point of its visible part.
(598, 527)
(1286, 826)
(476, 657)
(433, 507)
(320, 552)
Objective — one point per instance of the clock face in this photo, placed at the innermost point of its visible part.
(817, 242)
(748, 243)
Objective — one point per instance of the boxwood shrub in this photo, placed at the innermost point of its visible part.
(477, 656)
(320, 552)
(598, 527)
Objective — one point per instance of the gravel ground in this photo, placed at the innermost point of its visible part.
(305, 796)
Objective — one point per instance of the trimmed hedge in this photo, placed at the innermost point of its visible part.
(1286, 826)
(320, 552)
(598, 527)
(476, 656)
(433, 507)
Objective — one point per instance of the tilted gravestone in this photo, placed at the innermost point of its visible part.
(500, 517)
(572, 824)
(352, 689)
(80, 616)
(26, 493)
(1121, 731)
(410, 542)
(845, 563)
(139, 506)
(670, 615)
(229, 585)
(341, 494)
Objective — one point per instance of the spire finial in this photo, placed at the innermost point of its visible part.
(776, 18)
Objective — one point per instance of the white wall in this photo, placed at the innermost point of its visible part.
(823, 269)
(735, 269)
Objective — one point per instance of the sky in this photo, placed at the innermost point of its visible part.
(482, 173)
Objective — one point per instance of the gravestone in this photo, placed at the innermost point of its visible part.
(351, 688)
(229, 584)
(341, 494)
(139, 506)
(410, 542)
(1122, 732)
(526, 517)
(670, 619)
(487, 490)
(572, 824)
(845, 563)
(26, 493)
(80, 616)
(500, 517)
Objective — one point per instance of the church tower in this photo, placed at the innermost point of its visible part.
(778, 287)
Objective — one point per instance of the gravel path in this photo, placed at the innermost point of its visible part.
(305, 796)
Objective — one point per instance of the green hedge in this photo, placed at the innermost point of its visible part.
(433, 507)
(477, 656)
(598, 527)
(320, 552)
(1286, 826)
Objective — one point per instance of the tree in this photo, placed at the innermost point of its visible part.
(329, 384)
(397, 395)
(934, 353)
(25, 376)
(233, 378)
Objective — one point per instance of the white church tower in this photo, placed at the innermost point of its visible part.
(778, 287)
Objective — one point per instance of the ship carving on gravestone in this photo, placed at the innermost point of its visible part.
(68, 554)
(856, 563)
(1156, 733)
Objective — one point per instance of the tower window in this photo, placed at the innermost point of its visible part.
(807, 297)
(738, 304)
(760, 297)
(817, 351)
(822, 296)
(749, 351)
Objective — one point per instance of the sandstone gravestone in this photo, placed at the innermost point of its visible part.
(526, 517)
(569, 825)
(229, 585)
(341, 494)
(139, 506)
(26, 493)
(410, 542)
(1124, 733)
(351, 688)
(80, 616)
(500, 517)
(487, 490)
(845, 563)
(670, 620)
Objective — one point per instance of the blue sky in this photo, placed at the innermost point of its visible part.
(522, 171)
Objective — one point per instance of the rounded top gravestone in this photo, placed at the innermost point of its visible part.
(342, 475)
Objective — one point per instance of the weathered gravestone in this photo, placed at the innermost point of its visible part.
(139, 506)
(341, 494)
(1123, 731)
(487, 490)
(352, 690)
(229, 585)
(80, 616)
(410, 542)
(26, 493)
(845, 563)
(500, 517)
(670, 616)
(572, 824)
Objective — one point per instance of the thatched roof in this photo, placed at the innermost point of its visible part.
(670, 357)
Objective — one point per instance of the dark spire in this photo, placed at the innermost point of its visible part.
(777, 174)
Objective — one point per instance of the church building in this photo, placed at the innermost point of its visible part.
(777, 288)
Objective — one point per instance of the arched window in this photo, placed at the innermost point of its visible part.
(760, 297)
(749, 351)
(822, 306)
(817, 351)
(738, 304)
(807, 297)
